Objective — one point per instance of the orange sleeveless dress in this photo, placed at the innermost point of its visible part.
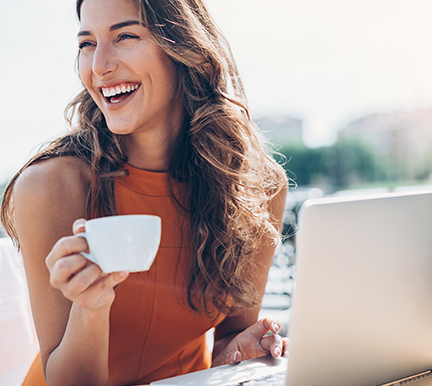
(153, 333)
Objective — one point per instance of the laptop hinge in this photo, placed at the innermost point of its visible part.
(406, 380)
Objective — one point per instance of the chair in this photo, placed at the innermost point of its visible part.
(18, 341)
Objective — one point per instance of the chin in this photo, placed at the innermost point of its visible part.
(119, 129)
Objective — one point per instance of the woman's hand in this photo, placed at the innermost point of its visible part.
(253, 342)
(80, 280)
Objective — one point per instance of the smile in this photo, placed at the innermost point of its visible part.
(118, 93)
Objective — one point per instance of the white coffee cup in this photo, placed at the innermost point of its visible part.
(123, 243)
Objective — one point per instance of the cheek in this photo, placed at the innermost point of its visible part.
(169, 74)
(165, 69)
(84, 70)
(85, 73)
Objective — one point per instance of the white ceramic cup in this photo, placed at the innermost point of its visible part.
(123, 243)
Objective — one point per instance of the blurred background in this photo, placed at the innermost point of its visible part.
(342, 88)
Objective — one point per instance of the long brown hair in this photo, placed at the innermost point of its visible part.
(219, 156)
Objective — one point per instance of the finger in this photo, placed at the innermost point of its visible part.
(65, 268)
(112, 279)
(227, 359)
(66, 246)
(271, 324)
(101, 293)
(264, 326)
(272, 344)
(83, 280)
(79, 226)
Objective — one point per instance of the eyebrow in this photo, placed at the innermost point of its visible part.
(113, 27)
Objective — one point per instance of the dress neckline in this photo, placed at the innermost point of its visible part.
(147, 182)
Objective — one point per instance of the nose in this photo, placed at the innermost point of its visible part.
(104, 61)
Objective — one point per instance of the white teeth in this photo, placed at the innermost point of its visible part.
(108, 92)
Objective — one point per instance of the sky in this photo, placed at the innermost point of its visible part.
(324, 62)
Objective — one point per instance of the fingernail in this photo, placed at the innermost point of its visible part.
(276, 327)
(80, 223)
(235, 357)
(278, 351)
(122, 274)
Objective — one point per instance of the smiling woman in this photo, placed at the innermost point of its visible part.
(115, 56)
(158, 132)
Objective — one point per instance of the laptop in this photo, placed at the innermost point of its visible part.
(362, 302)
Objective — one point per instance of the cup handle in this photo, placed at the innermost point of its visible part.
(85, 254)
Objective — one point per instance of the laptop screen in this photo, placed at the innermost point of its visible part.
(362, 303)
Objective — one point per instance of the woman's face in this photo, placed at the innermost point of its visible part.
(127, 74)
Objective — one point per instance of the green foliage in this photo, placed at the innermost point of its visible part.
(302, 163)
(340, 165)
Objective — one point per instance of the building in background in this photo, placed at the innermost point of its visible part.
(282, 129)
(401, 141)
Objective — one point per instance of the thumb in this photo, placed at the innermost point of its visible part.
(227, 359)
(79, 226)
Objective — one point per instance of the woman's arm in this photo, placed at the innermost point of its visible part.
(72, 320)
(240, 337)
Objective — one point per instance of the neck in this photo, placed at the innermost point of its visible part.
(149, 153)
(151, 148)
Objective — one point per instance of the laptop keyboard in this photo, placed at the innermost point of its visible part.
(276, 379)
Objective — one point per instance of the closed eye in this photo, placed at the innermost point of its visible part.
(85, 44)
(125, 36)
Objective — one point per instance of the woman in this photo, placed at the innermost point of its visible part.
(162, 129)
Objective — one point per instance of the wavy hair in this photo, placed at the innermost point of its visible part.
(229, 174)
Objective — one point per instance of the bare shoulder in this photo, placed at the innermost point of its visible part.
(53, 177)
(47, 198)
